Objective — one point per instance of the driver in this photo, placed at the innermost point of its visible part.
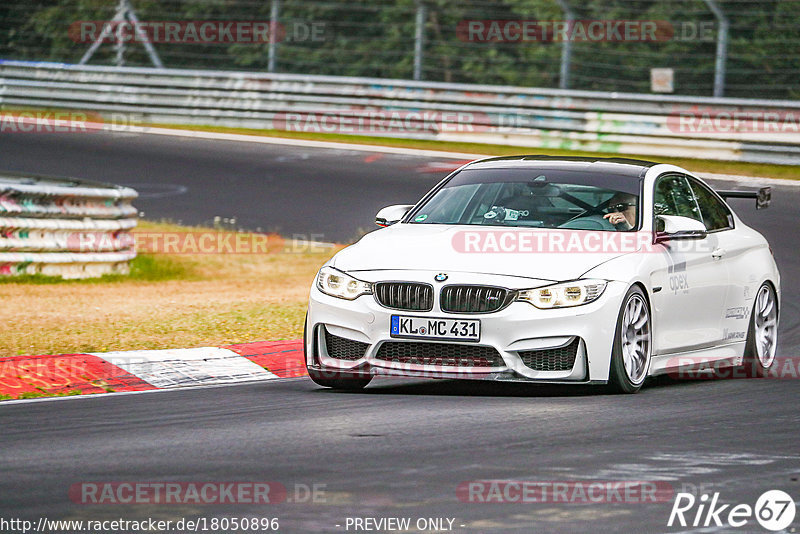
(622, 211)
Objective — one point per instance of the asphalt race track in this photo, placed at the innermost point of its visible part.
(333, 194)
(401, 448)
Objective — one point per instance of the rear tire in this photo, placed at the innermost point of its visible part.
(332, 379)
(762, 334)
(632, 348)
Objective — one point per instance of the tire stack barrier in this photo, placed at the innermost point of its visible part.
(63, 227)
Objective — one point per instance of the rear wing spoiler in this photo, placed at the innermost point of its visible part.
(763, 196)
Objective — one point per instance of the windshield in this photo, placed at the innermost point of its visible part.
(535, 199)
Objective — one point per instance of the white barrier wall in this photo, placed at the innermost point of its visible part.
(716, 128)
(62, 227)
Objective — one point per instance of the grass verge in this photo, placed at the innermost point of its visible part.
(168, 301)
(40, 394)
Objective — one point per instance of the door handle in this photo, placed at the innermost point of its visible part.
(718, 253)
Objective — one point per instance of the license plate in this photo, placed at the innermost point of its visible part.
(436, 328)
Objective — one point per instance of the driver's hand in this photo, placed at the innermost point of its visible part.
(615, 218)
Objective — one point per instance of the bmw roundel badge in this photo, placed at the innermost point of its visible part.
(441, 277)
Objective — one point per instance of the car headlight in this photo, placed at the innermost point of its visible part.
(563, 295)
(338, 284)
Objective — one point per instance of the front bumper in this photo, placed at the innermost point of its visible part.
(516, 328)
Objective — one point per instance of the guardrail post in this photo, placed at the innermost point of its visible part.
(566, 46)
(274, 13)
(124, 11)
(148, 46)
(119, 16)
(722, 47)
(119, 43)
(419, 38)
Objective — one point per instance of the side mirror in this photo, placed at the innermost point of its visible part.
(677, 227)
(392, 214)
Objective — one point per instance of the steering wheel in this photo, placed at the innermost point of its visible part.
(592, 222)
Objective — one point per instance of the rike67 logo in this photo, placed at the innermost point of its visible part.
(774, 510)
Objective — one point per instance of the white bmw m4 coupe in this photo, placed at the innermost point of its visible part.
(551, 270)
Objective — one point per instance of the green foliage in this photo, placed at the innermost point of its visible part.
(144, 267)
(375, 38)
(151, 268)
(40, 394)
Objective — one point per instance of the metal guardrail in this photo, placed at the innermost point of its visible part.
(62, 227)
(625, 123)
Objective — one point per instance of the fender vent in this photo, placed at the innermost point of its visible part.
(343, 348)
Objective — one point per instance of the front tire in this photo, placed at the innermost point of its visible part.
(332, 379)
(632, 348)
(762, 335)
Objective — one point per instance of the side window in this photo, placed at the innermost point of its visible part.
(673, 196)
(716, 214)
(448, 206)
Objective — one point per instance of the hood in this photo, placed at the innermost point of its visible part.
(542, 254)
